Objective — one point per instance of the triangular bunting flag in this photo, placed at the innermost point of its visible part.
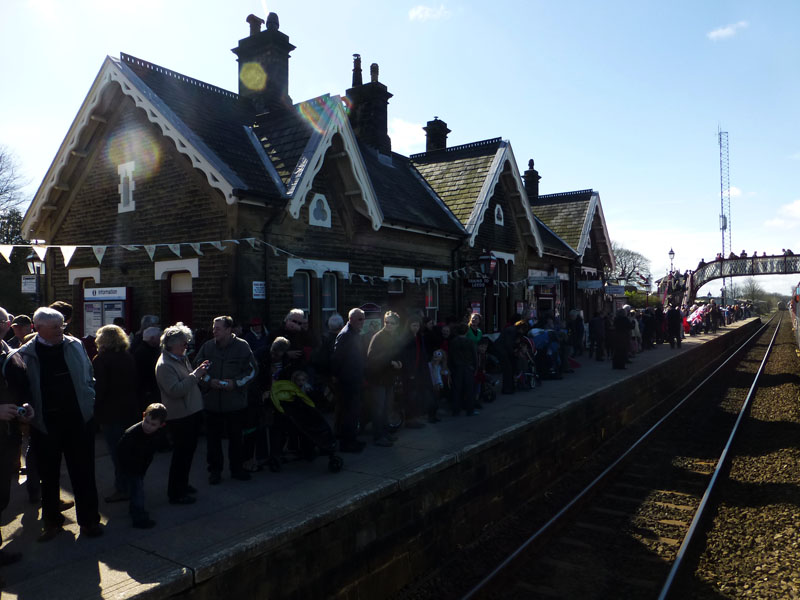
(176, 249)
(217, 245)
(40, 251)
(5, 252)
(131, 248)
(234, 241)
(251, 241)
(67, 252)
(99, 253)
(274, 249)
(151, 250)
(196, 248)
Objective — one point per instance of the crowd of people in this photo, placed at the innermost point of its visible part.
(160, 389)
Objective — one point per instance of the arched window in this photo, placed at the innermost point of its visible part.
(498, 215)
(301, 292)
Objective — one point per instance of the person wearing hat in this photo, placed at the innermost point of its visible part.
(21, 325)
(257, 338)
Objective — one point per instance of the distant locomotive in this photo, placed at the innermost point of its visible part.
(781, 305)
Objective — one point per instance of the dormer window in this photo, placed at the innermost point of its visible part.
(498, 215)
(319, 213)
(126, 187)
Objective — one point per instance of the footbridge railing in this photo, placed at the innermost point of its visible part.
(741, 267)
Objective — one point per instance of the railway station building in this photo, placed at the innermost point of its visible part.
(174, 197)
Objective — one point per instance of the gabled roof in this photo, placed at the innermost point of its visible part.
(571, 216)
(465, 178)
(405, 198)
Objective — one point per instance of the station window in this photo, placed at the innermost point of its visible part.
(126, 187)
(301, 292)
(432, 299)
(328, 296)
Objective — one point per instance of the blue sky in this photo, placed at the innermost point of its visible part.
(621, 97)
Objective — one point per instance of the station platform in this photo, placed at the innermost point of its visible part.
(266, 537)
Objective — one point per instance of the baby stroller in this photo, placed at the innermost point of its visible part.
(547, 357)
(296, 415)
(525, 364)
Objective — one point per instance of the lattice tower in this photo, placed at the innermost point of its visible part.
(724, 195)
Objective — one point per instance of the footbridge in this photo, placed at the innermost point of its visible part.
(751, 266)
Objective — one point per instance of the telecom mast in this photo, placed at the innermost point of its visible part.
(724, 193)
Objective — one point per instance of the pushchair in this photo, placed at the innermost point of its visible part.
(525, 364)
(547, 357)
(297, 416)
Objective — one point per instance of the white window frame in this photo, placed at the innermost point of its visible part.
(312, 220)
(126, 201)
(396, 275)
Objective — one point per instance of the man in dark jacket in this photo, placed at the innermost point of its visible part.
(14, 392)
(383, 367)
(232, 367)
(348, 368)
(674, 325)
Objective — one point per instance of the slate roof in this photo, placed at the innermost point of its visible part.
(564, 214)
(457, 174)
(403, 195)
(215, 116)
(552, 243)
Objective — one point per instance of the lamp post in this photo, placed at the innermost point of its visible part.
(36, 268)
(671, 258)
(709, 296)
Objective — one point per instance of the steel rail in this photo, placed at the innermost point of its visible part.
(721, 464)
(606, 472)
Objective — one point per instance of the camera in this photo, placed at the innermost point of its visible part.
(21, 411)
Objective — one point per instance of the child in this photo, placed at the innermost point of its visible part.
(136, 449)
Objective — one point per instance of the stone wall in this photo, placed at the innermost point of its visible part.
(384, 539)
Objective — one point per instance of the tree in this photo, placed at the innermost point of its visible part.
(631, 267)
(11, 296)
(11, 181)
(752, 290)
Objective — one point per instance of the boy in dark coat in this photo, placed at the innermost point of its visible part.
(135, 453)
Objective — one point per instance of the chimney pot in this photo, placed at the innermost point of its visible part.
(255, 24)
(357, 70)
(373, 72)
(532, 178)
(273, 23)
(435, 135)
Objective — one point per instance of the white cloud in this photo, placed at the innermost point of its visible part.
(795, 156)
(720, 33)
(428, 13)
(788, 217)
(735, 192)
(407, 138)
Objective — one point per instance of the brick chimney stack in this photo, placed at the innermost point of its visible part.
(436, 135)
(369, 108)
(532, 178)
(263, 59)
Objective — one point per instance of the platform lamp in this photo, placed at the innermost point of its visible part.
(36, 267)
(485, 262)
(671, 258)
(709, 296)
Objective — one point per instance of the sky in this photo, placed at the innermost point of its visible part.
(623, 97)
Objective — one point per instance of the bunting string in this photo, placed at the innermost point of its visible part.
(99, 251)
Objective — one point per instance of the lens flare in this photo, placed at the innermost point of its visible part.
(253, 76)
(135, 144)
(317, 112)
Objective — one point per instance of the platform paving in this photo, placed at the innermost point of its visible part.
(236, 519)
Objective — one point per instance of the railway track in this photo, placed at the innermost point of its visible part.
(628, 533)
